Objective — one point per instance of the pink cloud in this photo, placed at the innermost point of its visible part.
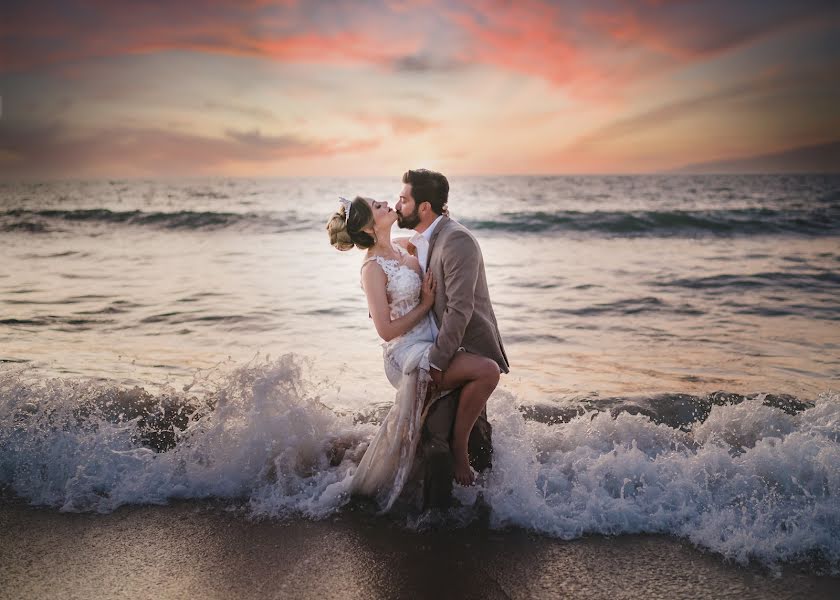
(541, 39)
(596, 49)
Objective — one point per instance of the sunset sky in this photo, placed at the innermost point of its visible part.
(118, 88)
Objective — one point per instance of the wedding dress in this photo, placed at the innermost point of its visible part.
(386, 465)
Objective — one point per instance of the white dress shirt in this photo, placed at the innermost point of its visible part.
(421, 242)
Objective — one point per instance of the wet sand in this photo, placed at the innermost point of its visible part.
(194, 550)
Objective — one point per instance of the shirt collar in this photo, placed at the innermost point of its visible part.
(428, 233)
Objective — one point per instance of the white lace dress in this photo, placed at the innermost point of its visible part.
(387, 462)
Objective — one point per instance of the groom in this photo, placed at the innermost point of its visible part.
(462, 318)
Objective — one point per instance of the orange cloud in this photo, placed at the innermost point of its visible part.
(399, 124)
(338, 48)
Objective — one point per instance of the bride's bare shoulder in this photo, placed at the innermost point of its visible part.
(372, 277)
(367, 265)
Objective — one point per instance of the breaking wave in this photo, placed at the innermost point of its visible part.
(752, 477)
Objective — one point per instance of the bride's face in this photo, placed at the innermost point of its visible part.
(383, 215)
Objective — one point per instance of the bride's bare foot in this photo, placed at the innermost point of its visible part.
(463, 473)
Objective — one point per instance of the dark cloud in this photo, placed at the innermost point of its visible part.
(39, 34)
(50, 150)
(248, 111)
(689, 30)
(255, 139)
(419, 63)
(817, 158)
(756, 91)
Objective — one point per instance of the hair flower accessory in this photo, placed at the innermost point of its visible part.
(346, 204)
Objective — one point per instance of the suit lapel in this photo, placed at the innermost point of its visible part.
(440, 227)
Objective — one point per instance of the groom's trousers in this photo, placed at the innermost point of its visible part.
(438, 464)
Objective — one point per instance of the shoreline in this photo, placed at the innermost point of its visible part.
(198, 549)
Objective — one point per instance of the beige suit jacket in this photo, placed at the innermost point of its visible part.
(462, 309)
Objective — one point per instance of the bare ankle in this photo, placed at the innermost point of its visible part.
(459, 448)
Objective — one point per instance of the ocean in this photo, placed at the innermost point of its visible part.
(673, 339)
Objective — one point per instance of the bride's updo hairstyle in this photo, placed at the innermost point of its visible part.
(344, 235)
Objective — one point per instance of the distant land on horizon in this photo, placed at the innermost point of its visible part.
(818, 158)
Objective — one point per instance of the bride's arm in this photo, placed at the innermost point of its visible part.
(374, 281)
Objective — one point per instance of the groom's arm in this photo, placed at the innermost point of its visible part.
(461, 259)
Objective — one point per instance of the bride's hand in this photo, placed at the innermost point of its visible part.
(427, 293)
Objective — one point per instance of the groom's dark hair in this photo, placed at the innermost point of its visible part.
(428, 186)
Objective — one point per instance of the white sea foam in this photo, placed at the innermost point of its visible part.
(268, 438)
(750, 482)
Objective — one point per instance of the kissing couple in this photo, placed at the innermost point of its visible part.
(428, 299)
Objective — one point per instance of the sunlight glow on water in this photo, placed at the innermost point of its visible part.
(125, 291)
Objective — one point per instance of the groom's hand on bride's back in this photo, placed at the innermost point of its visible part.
(437, 375)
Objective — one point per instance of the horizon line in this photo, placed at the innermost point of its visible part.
(669, 173)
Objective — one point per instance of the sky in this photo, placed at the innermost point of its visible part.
(121, 88)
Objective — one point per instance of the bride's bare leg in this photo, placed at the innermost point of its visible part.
(478, 376)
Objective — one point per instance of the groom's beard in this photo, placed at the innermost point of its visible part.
(409, 221)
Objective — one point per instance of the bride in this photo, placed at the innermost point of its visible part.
(399, 300)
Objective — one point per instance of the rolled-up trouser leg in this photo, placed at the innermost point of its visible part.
(439, 466)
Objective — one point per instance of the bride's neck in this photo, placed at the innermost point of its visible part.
(383, 244)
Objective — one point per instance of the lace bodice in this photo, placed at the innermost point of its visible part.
(404, 283)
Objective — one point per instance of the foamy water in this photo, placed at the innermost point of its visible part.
(750, 481)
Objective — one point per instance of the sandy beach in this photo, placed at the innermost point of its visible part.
(195, 550)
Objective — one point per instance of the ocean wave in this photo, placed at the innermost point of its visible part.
(628, 306)
(814, 280)
(746, 221)
(47, 221)
(753, 477)
(818, 220)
